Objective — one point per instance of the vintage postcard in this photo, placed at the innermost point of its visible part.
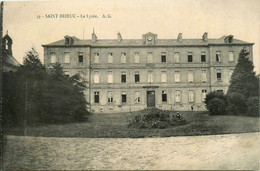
(130, 85)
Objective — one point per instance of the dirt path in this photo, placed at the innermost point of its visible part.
(235, 151)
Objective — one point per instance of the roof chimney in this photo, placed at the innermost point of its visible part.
(179, 37)
(94, 37)
(119, 37)
(205, 36)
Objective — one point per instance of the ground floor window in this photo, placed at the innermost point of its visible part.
(164, 96)
(177, 96)
(191, 96)
(96, 97)
(123, 97)
(110, 98)
(137, 97)
(203, 95)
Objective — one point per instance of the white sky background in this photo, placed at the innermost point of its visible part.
(132, 18)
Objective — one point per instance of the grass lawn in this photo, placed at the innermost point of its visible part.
(115, 126)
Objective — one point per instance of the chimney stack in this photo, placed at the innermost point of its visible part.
(205, 36)
(119, 37)
(94, 37)
(179, 37)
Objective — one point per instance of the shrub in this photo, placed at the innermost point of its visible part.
(214, 94)
(155, 118)
(236, 104)
(253, 106)
(217, 106)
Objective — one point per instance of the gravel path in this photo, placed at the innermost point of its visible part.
(234, 151)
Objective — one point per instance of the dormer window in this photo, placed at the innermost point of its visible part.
(67, 40)
(229, 39)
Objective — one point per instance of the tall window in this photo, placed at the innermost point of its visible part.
(110, 58)
(123, 97)
(123, 76)
(203, 95)
(190, 76)
(110, 97)
(177, 96)
(163, 77)
(231, 72)
(96, 58)
(190, 57)
(6, 44)
(177, 76)
(191, 96)
(150, 76)
(66, 57)
(218, 56)
(203, 76)
(203, 57)
(96, 76)
(137, 57)
(96, 97)
(110, 77)
(164, 96)
(137, 77)
(219, 75)
(150, 57)
(176, 57)
(137, 97)
(123, 58)
(80, 56)
(53, 57)
(163, 57)
(231, 56)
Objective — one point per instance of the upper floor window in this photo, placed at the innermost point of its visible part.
(110, 58)
(53, 57)
(164, 96)
(110, 77)
(219, 76)
(123, 58)
(231, 56)
(191, 96)
(137, 57)
(203, 76)
(177, 96)
(218, 56)
(80, 56)
(96, 96)
(163, 57)
(66, 57)
(137, 77)
(176, 57)
(190, 57)
(150, 57)
(123, 76)
(203, 57)
(96, 58)
(137, 97)
(96, 76)
(150, 76)
(110, 98)
(163, 77)
(190, 76)
(177, 76)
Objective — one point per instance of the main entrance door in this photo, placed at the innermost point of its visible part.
(150, 99)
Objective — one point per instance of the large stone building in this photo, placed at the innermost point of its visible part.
(132, 74)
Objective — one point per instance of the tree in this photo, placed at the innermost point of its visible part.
(243, 79)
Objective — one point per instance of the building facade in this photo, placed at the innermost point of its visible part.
(132, 74)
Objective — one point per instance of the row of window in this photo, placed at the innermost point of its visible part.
(150, 76)
(137, 96)
(150, 58)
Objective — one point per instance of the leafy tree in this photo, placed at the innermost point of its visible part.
(243, 79)
(236, 104)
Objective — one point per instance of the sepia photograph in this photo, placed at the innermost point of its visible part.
(130, 85)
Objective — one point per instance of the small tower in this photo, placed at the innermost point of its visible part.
(119, 37)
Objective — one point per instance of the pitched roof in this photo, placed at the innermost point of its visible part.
(140, 42)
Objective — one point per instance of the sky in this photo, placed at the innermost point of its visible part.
(132, 18)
